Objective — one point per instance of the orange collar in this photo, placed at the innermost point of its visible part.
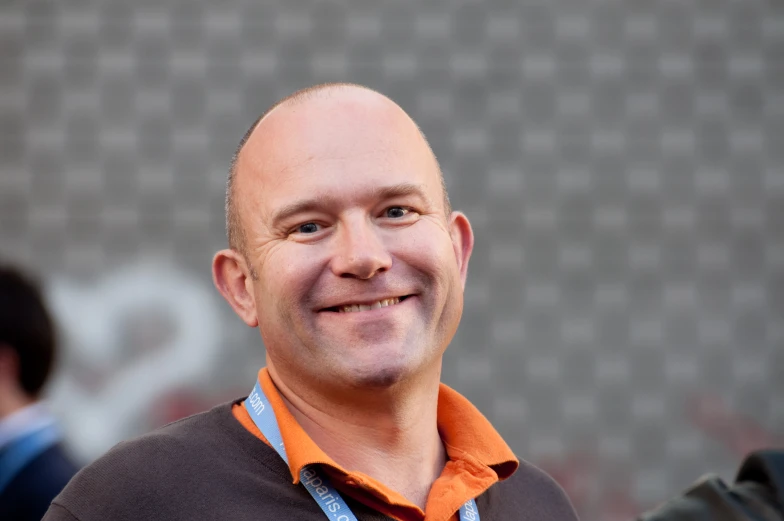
(478, 457)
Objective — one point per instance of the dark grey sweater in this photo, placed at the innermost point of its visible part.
(209, 467)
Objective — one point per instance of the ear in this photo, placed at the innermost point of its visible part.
(462, 241)
(232, 277)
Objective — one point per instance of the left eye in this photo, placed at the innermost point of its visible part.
(396, 212)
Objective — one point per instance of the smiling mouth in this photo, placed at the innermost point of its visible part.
(354, 308)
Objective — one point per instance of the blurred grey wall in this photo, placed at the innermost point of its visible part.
(621, 163)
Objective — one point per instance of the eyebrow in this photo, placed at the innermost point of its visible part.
(320, 202)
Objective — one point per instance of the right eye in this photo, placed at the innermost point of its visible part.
(308, 228)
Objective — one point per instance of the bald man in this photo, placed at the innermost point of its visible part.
(346, 256)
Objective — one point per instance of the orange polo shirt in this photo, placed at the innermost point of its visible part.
(478, 457)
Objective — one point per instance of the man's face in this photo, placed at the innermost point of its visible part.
(359, 271)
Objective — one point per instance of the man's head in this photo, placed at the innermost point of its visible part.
(336, 202)
(234, 230)
(27, 339)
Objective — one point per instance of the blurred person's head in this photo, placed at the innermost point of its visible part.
(336, 208)
(27, 341)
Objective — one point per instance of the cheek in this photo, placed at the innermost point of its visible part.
(432, 261)
(287, 277)
(429, 251)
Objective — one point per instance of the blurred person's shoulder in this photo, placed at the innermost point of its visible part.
(29, 493)
(162, 474)
(756, 495)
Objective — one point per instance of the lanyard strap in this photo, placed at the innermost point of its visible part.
(327, 498)
(17, 454)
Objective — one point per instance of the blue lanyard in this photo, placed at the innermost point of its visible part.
(17, 454)
(329, 499)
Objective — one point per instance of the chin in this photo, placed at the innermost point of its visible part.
(379, 376)
(381, 365)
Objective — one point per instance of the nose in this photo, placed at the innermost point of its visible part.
(359, 251)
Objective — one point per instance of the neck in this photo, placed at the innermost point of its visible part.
(12, 400)
(390, 435)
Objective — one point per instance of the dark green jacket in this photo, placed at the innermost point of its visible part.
(757, 495)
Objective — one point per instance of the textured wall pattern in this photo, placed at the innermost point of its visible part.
(621, 163)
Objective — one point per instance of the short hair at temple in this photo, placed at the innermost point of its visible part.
(234, 230)
(26, 329)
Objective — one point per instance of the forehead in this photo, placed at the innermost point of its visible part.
(343, 145)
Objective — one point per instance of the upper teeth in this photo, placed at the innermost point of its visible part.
(367, 307)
